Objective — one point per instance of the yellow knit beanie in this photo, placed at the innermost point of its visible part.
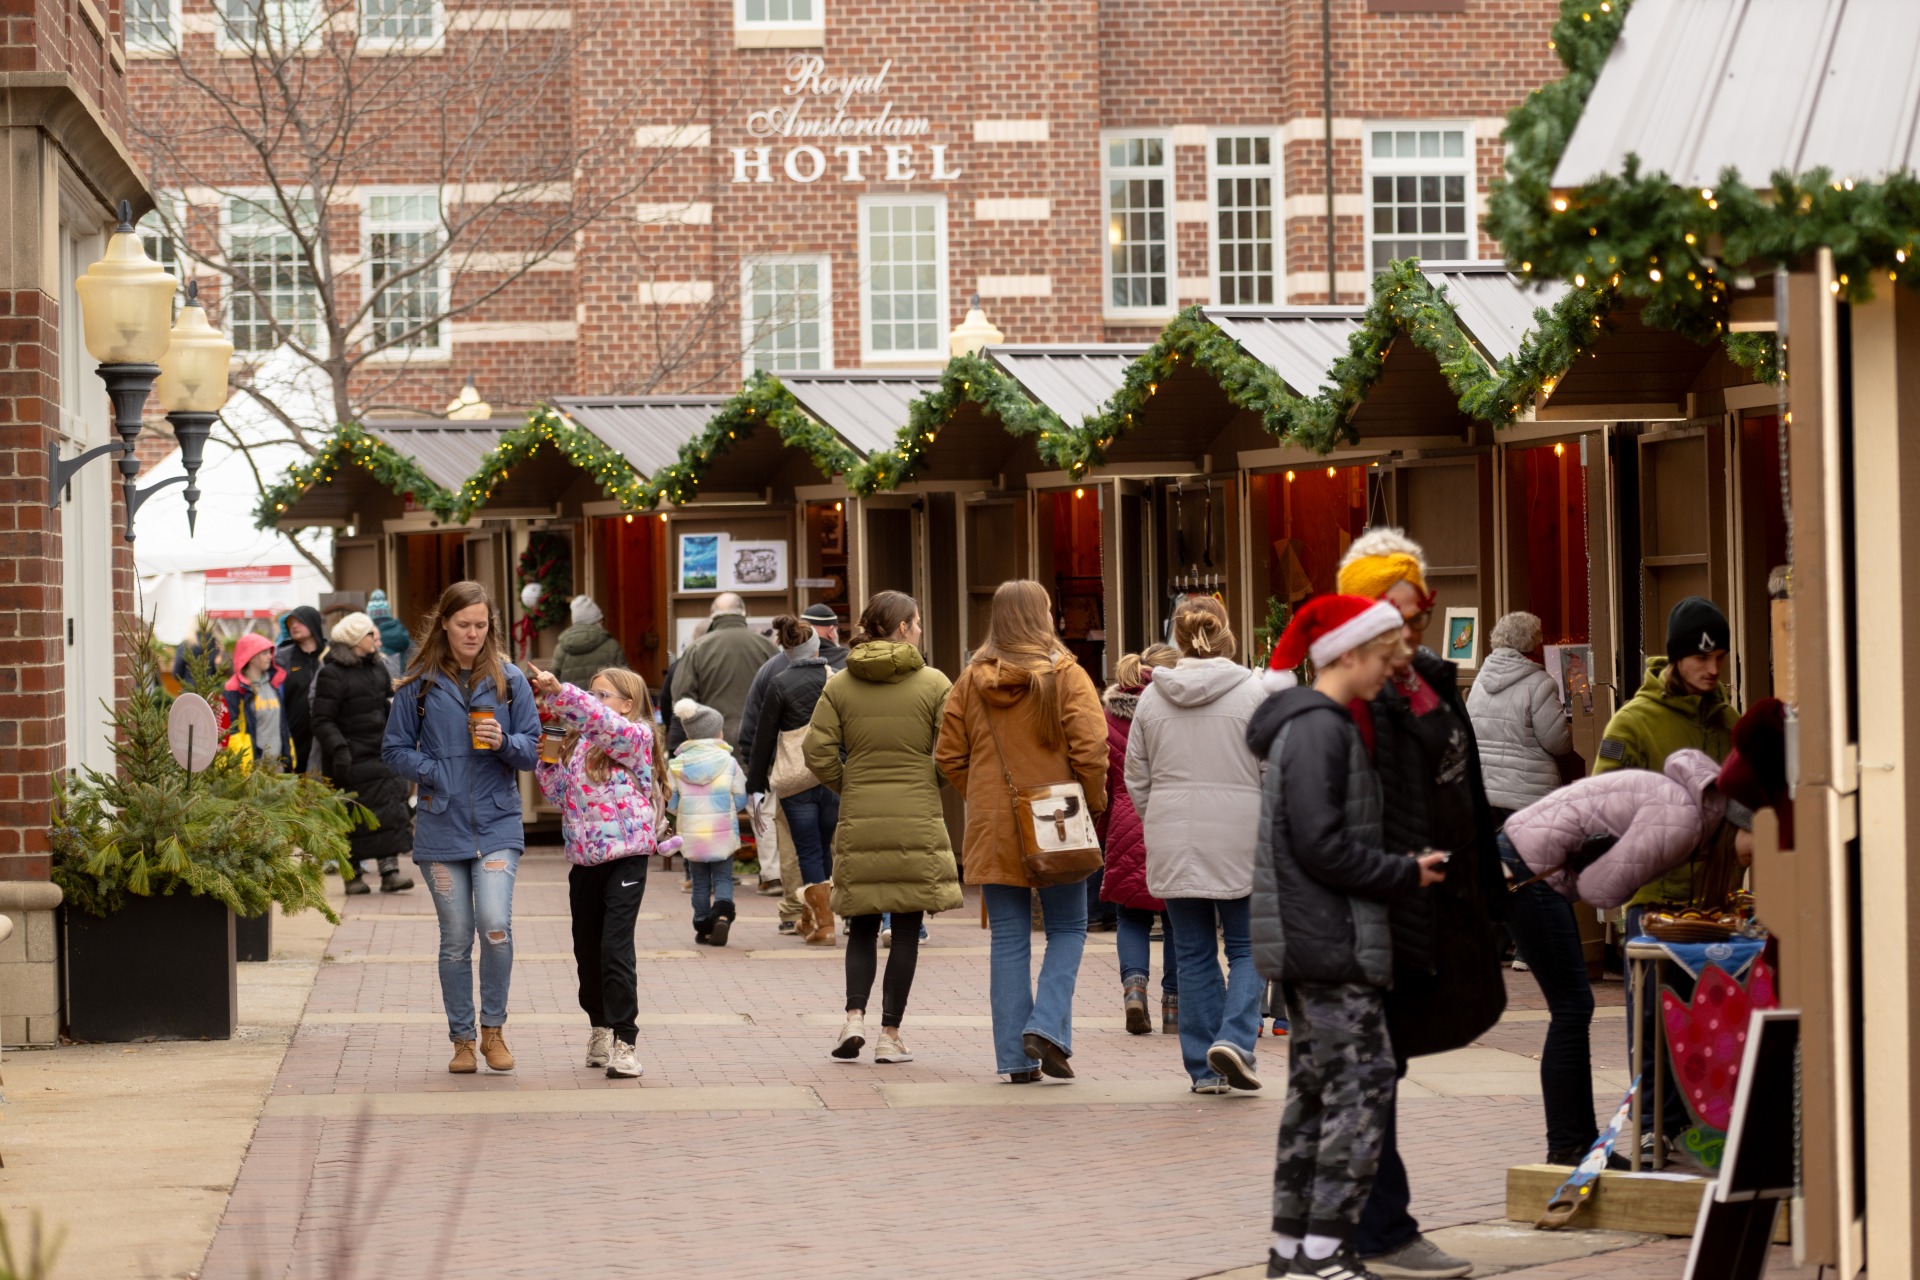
(1374, 576)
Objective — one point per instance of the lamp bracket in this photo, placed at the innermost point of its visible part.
(60, 471)
(136, 498)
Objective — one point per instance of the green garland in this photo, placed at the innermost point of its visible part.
(966, 378)
(763, 401)
(548, 560)
(1676, 250)
(546, 426)
(350, 445)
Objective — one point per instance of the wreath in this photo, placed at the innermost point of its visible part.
(547, 563)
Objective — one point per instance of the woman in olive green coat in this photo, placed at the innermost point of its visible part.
(871, 740)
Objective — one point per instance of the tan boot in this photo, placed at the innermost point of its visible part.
(819, 899)
(803, 927)
(463, 1063)
(493, 1047)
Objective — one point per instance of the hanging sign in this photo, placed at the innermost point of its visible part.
(253, 591)
(842, 123)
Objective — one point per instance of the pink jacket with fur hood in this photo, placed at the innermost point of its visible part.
(1659, 819)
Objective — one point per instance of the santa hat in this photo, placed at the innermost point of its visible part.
(1324, 628)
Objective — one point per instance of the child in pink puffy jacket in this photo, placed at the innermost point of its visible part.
(607, 792)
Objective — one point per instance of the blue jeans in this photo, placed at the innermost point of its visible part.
(1547, 938)
(712, 882)
(812, 816)
(1215, 1010)
(1017, 1008)
(472, 896)
(1133, 939)
(886, 923)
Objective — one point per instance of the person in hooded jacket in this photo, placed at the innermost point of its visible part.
(255, 697)
(300, 658)
(396, 642)
(1197, 789)
(871, 740)
(812, 813)
(1518, 718)
(1024, 709)
(586, 648)
(351, 699)
(1323, 888)
(1125, 881)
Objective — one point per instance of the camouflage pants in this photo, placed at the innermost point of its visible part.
(1340, 1086)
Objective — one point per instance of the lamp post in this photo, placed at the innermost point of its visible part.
(125, 306)
(974, 333)
(192, 389)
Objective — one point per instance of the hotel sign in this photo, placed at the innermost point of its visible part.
(843, 124)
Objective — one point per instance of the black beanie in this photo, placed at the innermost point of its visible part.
(1696, 626)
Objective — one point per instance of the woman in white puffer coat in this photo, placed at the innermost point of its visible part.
(1518, 719)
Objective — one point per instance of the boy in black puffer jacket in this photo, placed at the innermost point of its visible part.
(1321, 887)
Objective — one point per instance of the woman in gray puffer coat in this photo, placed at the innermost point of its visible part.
(1517, 717)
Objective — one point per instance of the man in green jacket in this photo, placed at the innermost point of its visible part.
(718, 668)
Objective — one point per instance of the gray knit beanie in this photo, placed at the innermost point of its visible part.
(699, 720)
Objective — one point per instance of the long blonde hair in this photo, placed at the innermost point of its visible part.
(1130, 670)
(629, 685)
(434, 658)
(1020, 634)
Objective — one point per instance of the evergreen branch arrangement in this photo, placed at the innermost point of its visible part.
(548, 561)
(245, 838)
(1680, 251)
(547, 427)
(351, 446)
(971, 378)
(762, 402)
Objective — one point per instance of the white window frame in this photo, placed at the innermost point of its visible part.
(817, 22)
(749, 331)
(137, 48)
(1466, 165)
(1108, 172)
(317, 24)
(1274, 170)
(265, 198)
(443, 277)
(943, 310)
(432, 42)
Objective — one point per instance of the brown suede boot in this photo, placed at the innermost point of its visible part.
(819, 899)
(463, 1063)
(493, 1047)
(803, 927)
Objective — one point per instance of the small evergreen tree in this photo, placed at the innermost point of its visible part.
(244, 837)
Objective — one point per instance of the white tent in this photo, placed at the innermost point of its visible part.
(172, 566)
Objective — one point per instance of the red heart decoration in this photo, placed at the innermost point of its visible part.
(1708, 1038)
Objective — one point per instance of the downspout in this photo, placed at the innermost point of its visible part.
(1326, 113)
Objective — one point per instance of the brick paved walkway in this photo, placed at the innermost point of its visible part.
(746, 1150)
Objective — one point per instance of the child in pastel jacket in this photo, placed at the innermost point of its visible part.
(606, 790)
(709, 790)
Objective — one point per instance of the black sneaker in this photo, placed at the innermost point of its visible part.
(1345, 1264)
(358, 885)
(1276, 1265)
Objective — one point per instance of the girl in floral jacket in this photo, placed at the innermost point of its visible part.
(607, 792)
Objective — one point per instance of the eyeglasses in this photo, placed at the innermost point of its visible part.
(1418, 621)
(604, 695)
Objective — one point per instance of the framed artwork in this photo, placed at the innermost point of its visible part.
(754, 566)
(1463, 637)
(833, 533)
(1575, 676)
(701, 555)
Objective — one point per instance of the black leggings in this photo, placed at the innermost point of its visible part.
(863, 957)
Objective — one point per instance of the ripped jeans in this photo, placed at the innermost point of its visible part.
(474, 896)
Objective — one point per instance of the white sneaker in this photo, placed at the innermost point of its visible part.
(599, 1045)
(890, 1048)
(623, 1065)
(852, 1036)
(886, 939)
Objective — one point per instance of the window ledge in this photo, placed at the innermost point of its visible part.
(1159, 319)
(799, 37)
(405, 47)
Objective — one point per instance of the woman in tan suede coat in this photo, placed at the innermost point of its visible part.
(1024, 688)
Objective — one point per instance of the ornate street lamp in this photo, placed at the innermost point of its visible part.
(973, 333)
(126, 302)
(192, 390)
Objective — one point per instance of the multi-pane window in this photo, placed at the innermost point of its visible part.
(1245, 221)
(272, 287)
(903, 250)
(269, 24)
(785, 315)
(782, 13)
(1139, 178)
(406, 273)
(159, 246)
(1419, 184)
(399, 21)
(150, 24)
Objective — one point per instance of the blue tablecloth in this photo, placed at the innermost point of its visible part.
(1735, 956)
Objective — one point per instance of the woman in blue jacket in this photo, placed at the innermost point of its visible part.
(463, 725)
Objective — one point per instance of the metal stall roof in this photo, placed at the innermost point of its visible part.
(864, 407)
(1298, 343)
(1495, 307)
(647, 430)
(1073, 381)
(1693, 86)
(449, 452)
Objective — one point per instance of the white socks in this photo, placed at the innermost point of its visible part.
(1319, 1247)
(1284, 1247)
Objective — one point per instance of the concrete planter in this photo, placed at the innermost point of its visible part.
(160, 968)
(253, 937)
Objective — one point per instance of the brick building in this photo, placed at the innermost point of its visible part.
(66, 575)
